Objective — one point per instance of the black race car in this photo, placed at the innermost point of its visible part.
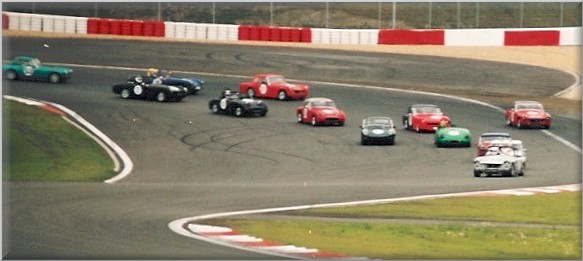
(153, 91)
(238, 104)
(194, 85)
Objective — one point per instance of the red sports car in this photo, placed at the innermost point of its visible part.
(320, 111)
(273, 86)
(527, 114)
(487, 138)
(425, 117)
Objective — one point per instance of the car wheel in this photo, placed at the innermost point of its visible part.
(10, 75)
(54, 78)
(406, 124)
(477, 174)
(299, 118)
(214, 108)
(161, 97)
(125, 93)
(363, 142)
(508, 122)
(238, 112)
(513, 171)
(341, 123)
(314, 122)
(417, 129)
(518, 124)
(263, 114)
(281, 95)
(250, 92)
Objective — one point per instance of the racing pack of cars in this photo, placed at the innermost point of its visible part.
(497, 152)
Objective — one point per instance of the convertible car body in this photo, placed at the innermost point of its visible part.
(377, 130)
(487, 138)
(501, 160)
(320, 111)
(453, 137)
(424, 118)
(194, 85)
(159, 92)
(30, 68)
(527, 114)
(274, 86)
(238, 105)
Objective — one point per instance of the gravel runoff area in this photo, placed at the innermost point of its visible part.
(566, 58)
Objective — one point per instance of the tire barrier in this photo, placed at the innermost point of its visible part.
(395, 37)
(225, 32)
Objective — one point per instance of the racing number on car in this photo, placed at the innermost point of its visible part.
(263, 89)
(305, 113)
(138, 89)
(28, 70)
(223, 104)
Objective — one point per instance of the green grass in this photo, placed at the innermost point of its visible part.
(440, 240)
(41, 146)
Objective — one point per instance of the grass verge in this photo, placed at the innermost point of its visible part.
(41, 146)
(535, 227)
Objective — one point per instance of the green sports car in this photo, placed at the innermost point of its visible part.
(30, 68)
(452, 137)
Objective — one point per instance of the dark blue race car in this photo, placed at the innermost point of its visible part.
(194, 85)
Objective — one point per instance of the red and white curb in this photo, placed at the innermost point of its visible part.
(76, 120)
(230, 238)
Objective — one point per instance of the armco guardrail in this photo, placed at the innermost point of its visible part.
(227, 32)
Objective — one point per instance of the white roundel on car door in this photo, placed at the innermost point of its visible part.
(223, 104)
(138, 90)
(263, 89)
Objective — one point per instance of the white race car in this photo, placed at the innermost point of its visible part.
(507, 159)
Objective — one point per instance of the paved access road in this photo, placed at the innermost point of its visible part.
(190, 162)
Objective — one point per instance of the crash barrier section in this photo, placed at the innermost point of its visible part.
(181, 30)
(395, 37)
(274, 34)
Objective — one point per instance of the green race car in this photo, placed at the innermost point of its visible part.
(30, 68)
(452, 137)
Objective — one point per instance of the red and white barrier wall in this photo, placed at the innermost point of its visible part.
(226, 32)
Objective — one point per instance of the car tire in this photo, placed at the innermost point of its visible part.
(10, 75)
(161, 97)
(314, 122)
(417, 129)
(54, 78)
(513, 172)
(215, 108)
(125, 94)
(508, 122)
(238, 112)
(406, 124)
(250, 92)
(282, 96)
(518, 124)
(477, 174)
(299, 118)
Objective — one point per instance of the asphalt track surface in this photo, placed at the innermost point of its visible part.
(189, 162)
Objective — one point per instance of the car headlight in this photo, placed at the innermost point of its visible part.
(478, 165)
(365, 131)
(506, 165)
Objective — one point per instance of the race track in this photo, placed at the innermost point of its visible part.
(189, 162)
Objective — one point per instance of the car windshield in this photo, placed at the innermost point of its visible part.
(426, 109)
(318, 103)
(377, 127)
(383, 121)
(530, 106)
(275, 79)
(493, 137)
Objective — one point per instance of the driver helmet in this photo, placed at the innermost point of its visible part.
(158, 80)
(138, 79)
(153, 72)
(227, 92)
(443, 123)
